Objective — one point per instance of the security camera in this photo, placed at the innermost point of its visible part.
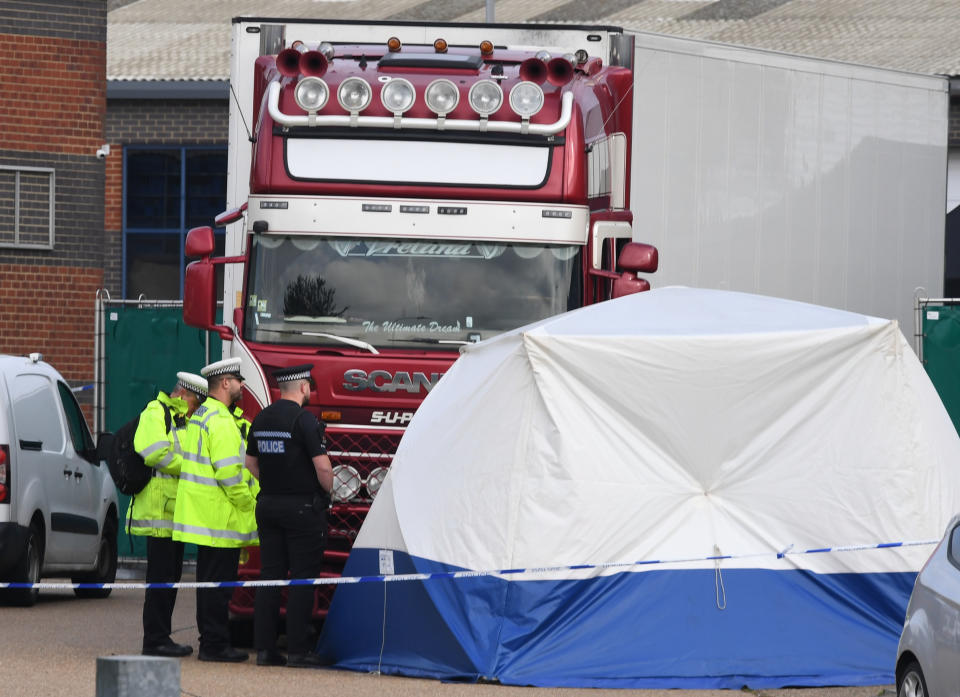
(103, 151)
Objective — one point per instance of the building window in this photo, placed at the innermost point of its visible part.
(167, 191)
(27, 204)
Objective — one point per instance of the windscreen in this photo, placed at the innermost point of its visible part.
(391, 293)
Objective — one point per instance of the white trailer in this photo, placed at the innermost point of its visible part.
(789, 176)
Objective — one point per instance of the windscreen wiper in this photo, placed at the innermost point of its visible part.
(358, 343)
(428, 340)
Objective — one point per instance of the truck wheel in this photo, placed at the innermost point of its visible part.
(106, 570)
(27, 570)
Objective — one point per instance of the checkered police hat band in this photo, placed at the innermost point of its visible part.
(305, 375)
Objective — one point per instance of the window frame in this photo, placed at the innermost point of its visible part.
(181, 231)
(52, 207)
(75, 419)
(953, 553)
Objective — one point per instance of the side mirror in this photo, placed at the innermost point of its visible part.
(199, 242)
(638, 258)
(634, 257)
(199, 300)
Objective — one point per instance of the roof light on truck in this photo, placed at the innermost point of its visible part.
(311, 94)
(485, 97)
(486, 48)
(526, 99)
(393, 44)
(440, 45)
(441, 96)
(354, 94)
(397, 96)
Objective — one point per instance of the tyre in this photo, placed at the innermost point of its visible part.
(912, 682)
(27, 570)
(106, 569)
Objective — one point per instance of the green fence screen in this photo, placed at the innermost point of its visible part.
(144, 347)
(940, 329)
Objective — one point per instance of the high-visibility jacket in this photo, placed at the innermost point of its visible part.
(151, 512)
(245, 521)
(213, 493)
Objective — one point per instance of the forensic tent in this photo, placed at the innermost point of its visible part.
(680, 488)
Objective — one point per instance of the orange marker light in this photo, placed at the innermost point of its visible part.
(486, 47)
(440, 46)
(330, 416)
(393, 44)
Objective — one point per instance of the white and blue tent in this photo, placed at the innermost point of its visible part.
(624, 447)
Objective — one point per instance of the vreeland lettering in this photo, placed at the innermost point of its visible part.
(383, 381)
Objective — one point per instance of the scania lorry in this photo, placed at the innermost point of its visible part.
(397, 190)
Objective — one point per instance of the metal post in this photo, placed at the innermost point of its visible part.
(138, 676)
(490, 4)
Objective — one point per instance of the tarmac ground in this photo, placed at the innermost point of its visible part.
(51, 650)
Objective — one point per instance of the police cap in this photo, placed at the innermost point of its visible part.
(193, 383)
(296, 372)
(228, 366)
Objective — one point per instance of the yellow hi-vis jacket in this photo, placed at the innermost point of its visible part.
(151, 512)
(247, 520)
(213, 493)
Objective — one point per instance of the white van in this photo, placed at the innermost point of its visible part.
(58, 503)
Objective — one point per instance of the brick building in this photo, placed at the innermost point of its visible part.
(52, 246)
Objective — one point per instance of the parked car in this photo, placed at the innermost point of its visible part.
(928, 658)
(58, 503)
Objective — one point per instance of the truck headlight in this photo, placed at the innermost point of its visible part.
(311, 94)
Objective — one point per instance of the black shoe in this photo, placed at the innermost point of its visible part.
(170, 650)
(227, 655)
(305, 660)
(269, 657)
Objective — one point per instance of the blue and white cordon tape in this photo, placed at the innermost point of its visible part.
(342, 580)
(82, 388)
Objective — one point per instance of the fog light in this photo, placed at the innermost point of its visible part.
(375, 481)
(346, 483)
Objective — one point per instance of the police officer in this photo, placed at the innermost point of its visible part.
(157, 440)
(286, 453)
(213, 495)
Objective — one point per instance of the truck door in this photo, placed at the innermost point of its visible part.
(87, 474)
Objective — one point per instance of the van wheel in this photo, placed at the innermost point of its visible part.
(106, 571)
(27, 570)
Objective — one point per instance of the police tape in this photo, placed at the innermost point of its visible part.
(437, 575)
(82, 388)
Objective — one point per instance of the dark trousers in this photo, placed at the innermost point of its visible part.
(215, 564)
(164, 565)
(292, 537)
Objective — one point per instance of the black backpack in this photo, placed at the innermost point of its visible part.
(130, 473)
